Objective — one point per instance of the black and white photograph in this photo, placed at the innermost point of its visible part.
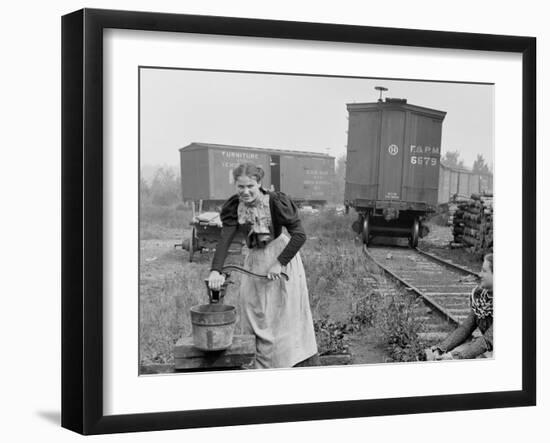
(298, 221)
(275, 221)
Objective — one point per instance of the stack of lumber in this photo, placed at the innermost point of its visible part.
(473, 224)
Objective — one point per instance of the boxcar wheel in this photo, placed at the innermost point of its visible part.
(365, 230)
(415, 230)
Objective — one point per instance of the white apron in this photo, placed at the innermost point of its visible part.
(277, 312)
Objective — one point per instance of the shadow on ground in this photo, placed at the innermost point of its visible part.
(54, 417)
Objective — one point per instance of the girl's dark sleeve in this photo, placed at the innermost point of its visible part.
(460, 334)
(286, 214)
(230, 225)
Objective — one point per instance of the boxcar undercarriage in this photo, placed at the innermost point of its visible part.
(390, 222)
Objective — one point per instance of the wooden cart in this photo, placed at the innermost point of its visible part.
(206, 228)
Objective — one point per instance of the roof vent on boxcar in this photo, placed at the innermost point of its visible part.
(401, 101)
(381, 89)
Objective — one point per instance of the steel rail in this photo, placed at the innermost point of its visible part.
(446, 263)
(441, 309)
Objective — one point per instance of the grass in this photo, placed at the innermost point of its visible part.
(158, 221)
(334, 267)
(165, 303)
(163, 312)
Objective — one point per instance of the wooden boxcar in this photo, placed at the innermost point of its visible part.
(392, 167)
(206, 172)
(460, 182)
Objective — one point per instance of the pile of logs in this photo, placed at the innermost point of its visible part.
(451, 211)
(473, 224)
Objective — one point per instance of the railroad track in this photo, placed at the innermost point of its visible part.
(443, 286)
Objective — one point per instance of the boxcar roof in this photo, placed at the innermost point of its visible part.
(394, 103)
(199, 145)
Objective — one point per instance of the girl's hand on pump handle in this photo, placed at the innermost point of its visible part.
(274, 271)
(216, 280)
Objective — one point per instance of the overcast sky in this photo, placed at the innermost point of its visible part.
(303, 113)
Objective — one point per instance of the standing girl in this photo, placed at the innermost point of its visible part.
(276, 311)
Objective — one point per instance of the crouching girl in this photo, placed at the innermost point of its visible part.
(456, 346)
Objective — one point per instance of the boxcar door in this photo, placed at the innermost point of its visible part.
(391, 155)
(423, 141)
(292, 176)
(275, 164)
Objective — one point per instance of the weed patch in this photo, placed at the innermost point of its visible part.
(400, 329)
(332, 337)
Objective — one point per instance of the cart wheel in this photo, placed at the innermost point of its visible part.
(365, 230)
(415, 229)
(192, 244)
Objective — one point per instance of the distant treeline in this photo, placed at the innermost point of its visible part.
(452, 159)
(163, 189)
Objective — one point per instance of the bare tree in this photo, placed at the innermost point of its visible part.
(480, 166)
(165, 187)
(452, 159)
(144, 189)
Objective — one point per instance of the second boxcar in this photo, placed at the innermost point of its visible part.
(392, 167)
(461, 182)
(206, 172)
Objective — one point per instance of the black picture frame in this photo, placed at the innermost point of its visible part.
(82, 218)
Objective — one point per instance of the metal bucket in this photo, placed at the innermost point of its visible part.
(213, 326)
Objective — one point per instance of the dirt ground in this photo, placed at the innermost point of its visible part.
(437, 242)
(159, 259)
(367, 347)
